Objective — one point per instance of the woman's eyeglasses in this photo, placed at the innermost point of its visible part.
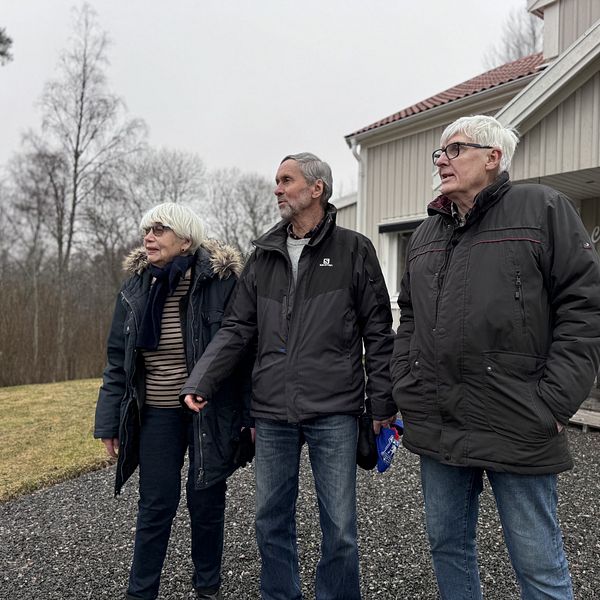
(157, 229)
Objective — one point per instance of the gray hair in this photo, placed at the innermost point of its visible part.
(184, 222)
(314, 168)
(486, 131)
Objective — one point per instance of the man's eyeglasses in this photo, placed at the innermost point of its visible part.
(157, 229)
(453, 150)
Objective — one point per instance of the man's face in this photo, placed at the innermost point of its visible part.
(294, 194)
(463, 177)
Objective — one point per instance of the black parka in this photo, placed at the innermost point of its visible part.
(122, 394)
(309, 336)
(499, 337)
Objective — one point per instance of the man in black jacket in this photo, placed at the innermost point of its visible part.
(310, 296)
(498, 345)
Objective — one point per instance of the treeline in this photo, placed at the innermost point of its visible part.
(71, 199)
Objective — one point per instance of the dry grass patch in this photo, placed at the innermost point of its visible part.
(46, 435)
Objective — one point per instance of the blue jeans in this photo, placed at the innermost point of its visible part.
(164, 437)
(527, 509)
(331, 442)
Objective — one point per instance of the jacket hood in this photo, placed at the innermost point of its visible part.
(224, 260)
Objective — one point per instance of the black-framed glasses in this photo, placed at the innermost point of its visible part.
(453, 150)
(157, 229)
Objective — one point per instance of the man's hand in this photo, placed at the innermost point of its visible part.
(194, 402)
(112, 446)
(252, 433)
(377, 425)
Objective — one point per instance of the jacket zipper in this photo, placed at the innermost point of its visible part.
(442, 272)
(519, 296)
(200, 449)
(192, 327)
(123, 442)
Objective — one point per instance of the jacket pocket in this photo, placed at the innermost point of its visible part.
(408, 389)
(514, 409)
(211, 323)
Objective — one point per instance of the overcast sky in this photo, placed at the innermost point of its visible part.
(244, 82)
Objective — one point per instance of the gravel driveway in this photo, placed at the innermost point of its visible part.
(74, 540)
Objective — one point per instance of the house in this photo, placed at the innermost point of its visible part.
(551, 98)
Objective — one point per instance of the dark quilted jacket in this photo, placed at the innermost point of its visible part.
(122, 392)
(500, 330)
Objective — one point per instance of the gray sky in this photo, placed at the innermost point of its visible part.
(243, 83)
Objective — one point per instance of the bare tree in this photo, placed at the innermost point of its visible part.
(155, 176)
(84, 135)
(5, 46)
(522, 35)
(239, 207)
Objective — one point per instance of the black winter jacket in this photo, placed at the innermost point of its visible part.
(499, 337)
(122, 393)
(309, 336)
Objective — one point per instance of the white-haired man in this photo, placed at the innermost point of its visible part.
(498, 345)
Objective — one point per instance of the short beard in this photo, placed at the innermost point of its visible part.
(286, 212)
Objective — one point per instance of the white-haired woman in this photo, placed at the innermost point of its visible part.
(166, 313)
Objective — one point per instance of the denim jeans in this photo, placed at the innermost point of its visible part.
(164, 437)
(527, 510)
(331, 442)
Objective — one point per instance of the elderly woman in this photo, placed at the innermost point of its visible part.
(166, 313)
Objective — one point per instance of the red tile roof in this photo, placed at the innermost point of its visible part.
(517, 69)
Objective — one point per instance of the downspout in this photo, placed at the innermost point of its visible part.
(360, 192)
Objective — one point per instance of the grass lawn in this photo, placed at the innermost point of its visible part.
(46, 435)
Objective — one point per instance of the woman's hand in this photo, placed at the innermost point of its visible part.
(112, 446)
(194, 402)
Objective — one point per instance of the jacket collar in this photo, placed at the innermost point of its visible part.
(213, 259)
(486, 198)
(276, 237)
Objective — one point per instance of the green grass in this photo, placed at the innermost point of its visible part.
(46, 435)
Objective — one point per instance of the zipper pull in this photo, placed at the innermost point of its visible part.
(518, 284)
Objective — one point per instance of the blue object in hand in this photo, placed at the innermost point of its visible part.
(388, 441)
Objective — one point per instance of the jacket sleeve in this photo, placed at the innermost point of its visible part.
(375, 321)
(113, 385)
(232, 342)
(573, 282)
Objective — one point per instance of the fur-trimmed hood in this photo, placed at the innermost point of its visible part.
(224, 260)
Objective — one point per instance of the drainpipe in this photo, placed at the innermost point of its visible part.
(360, 192)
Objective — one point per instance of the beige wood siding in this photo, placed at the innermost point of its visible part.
(399, 179)
(576, 16)
(346, 216)
(568, 139)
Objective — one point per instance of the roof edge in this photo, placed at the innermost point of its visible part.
(550, 87)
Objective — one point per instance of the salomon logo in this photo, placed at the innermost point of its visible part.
(326, 263)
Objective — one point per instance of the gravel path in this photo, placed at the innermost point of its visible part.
(74, 541)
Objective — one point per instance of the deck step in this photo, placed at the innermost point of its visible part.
(586, 418)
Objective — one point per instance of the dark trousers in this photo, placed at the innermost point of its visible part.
(165, 435)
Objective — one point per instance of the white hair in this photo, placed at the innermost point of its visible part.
(184, 222)
(486, 131)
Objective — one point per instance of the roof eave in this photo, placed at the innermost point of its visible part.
(441, 114)
(569, 71)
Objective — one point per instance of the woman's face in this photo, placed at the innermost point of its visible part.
(162, 245)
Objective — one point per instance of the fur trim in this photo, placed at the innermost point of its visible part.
(225, 260)
(136, 261)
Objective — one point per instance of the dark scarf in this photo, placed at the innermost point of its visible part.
(167, 279)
